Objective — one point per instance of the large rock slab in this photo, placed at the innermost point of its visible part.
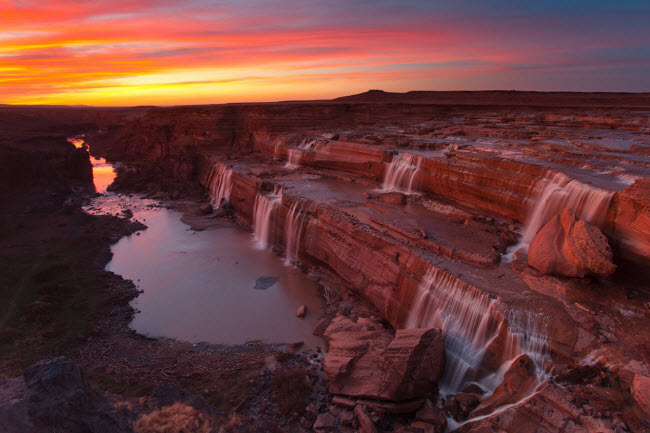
(569, 247)
(549, 410)
(381, 363)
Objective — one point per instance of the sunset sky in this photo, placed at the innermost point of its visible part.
(135, 52)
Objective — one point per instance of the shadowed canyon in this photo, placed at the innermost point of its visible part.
(382, 262)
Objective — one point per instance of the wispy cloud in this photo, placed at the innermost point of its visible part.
(172, 51)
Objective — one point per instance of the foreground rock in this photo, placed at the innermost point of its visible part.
(365, 360)
(549, 410)
(569, 247)
(519, 381)
(641, 392)
(53, 395)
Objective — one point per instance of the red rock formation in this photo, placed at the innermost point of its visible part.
(518, 382)
(550, 410)
(631, 220)
(570, 247)
(641, 392)
(382, 364)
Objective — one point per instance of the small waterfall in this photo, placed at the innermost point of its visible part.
(552, 194)
(220, 185)
(293, 158)
(294, 227)
(263, 217)
(401, 173)
(559, 192)
(471, 322)
(294, 154)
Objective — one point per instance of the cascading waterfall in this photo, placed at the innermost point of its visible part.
(294, 155)
(559, 192)
(293, 231)
(401, 173)
(552, 194)
(263, 217)
(471, 322)
(220, 185)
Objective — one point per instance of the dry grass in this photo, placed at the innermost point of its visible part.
(290, 391)
(177, 418)
(331, 298)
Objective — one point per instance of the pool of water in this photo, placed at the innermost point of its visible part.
(201, 286)
(211, 286)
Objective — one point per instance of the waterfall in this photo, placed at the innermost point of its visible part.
(220, 185)
(293, 158)
(263, 217)
(294, 154)
(471, 322)
(401, 173)
(294, 227)
(559, 192)
(552, 194)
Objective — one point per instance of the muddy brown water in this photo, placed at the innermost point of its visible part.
(211, 286)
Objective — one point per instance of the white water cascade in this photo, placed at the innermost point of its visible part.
(401, 173)
(293, 231)
(471, 322)
(552, 194)
(294, 227)
(263, 217)
(294, 154)
(220, 185)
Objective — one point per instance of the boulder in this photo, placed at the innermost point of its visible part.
(460, 405)
(432, 414)
(383, 364)
(566, 246)
(301, 311)
(325, 422)
(53, 395)
(520, 380)
(641, 392)
(365, 423)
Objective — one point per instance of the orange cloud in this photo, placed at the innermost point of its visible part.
(126, 52)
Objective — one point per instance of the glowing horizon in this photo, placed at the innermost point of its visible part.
(168, 52)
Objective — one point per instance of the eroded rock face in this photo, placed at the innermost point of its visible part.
(641, 392)
(520, 380)
(550, 410)
(383, 364)
(569, 247)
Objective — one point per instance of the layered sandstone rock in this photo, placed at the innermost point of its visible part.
(363, 361)
(519, 381)
(631, 209)
(550, 410)
(570, 247)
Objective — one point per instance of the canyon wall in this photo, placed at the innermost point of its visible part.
(416, 203)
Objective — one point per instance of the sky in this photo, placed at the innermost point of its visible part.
(169, 52)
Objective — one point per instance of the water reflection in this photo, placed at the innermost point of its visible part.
(200, 286)
(103, 172)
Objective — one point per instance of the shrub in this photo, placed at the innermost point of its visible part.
(177, 418)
